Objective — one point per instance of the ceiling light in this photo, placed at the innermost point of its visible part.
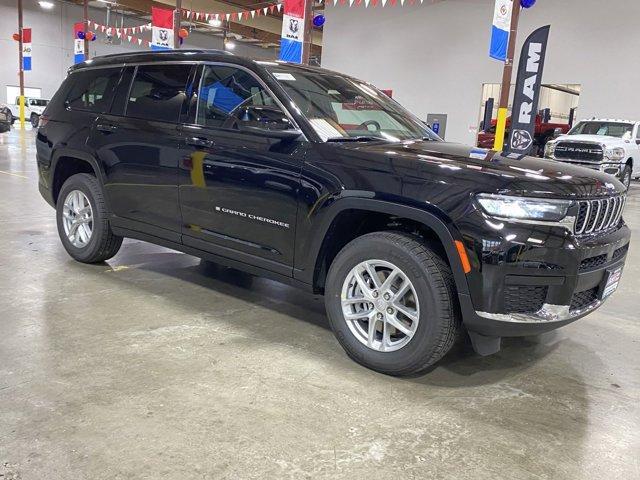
(46, 5)
(215, 22)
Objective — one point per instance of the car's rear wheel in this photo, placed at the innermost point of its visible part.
(82, 220)
(391, 303)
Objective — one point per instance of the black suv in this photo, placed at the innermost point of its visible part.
(320, 180)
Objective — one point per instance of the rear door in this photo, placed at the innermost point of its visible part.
(238, 189)
(138, 144)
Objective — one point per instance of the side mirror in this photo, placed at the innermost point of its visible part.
(289, 134)
(638, 142)
(266, 121)
(557, 132)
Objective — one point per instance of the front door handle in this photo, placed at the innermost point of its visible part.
(106, 127)
(200, 142)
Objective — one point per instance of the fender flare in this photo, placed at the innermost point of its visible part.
(447, 234)
(80, 155)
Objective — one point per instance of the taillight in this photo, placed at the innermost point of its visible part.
(44, 119)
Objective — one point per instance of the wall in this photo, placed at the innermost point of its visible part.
(52, 42)
(435, 56)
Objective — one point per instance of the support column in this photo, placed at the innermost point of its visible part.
(177, 16)
(20, 67)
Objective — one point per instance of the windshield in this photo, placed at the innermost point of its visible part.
(609, 129)
(341, 108)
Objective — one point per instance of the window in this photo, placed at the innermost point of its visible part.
(340, 107)
(92, 90)
(158, 91)
(226, 92)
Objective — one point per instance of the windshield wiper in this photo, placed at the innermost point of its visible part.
(360, 138)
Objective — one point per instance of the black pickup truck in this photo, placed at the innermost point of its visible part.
(319, 180)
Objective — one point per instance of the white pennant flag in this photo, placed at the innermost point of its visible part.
(253, 14)
(265, 9)
(350, 2)
(217, 17)
(129, 38)
(366, 3)
(118, 33)
(206, 17)
(139, 41)
(402, 3)
(279, 7)
(384, 2)
(335, 2)
(228, 16)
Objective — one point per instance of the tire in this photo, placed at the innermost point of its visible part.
(34, 120)
(432, 282)
(102, 244)
(625, 176)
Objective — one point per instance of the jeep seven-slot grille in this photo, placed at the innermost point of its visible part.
(598, 215)
(582, 299)
(589, 152)
(524, 298)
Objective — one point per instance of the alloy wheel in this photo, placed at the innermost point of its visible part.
(77, 218)
(380, 305)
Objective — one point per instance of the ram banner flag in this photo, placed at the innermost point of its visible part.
(527, 94)
(78, 44)
(161, 29)
(292, 31)
(500, 29)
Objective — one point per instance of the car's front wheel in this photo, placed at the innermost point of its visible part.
(626, 175)
(391, 303)
(82, 220)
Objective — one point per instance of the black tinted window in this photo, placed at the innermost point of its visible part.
(158, 91)
(224, 91)
(92, 90)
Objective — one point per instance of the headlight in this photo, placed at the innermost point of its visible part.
(523, 208)
(549, 149)
(614, 153)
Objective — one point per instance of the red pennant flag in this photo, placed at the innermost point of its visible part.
(271, 7)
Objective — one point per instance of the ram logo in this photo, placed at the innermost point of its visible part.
(293, 25)
(164, 35)
(521, 140)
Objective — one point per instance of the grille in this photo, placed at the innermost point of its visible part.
(593, 262)
(579, 151)
(599, 215)
(619, 252)
(524, 298)
(582, 299)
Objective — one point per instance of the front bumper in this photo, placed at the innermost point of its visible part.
(531, 279)
(606, 166)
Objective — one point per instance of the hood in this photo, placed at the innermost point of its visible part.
(599, 139)
(479, 170)
(37, 109)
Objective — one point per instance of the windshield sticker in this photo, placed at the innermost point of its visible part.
(284, 76)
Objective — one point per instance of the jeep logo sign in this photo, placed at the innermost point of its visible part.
(525, 102)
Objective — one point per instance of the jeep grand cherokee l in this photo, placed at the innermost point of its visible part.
(320, 180)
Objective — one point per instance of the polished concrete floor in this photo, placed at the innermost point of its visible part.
(156, 365)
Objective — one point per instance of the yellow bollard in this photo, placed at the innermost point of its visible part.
(21, 101)
(501, 126)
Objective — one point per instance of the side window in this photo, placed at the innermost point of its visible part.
(92, 90)
(158, 91)
(230, 95)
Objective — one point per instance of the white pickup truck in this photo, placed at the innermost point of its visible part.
(611, 146)
(33, 108)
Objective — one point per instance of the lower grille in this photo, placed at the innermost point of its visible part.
(620, 252)
(524, 298)
(593, 262)
(582, 299)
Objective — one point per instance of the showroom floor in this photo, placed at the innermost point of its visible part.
(160, 366)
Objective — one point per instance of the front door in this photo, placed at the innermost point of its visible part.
(239, 187)
(138, 144)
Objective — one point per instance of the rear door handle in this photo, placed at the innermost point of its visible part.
(200, 142)
(106, 128)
